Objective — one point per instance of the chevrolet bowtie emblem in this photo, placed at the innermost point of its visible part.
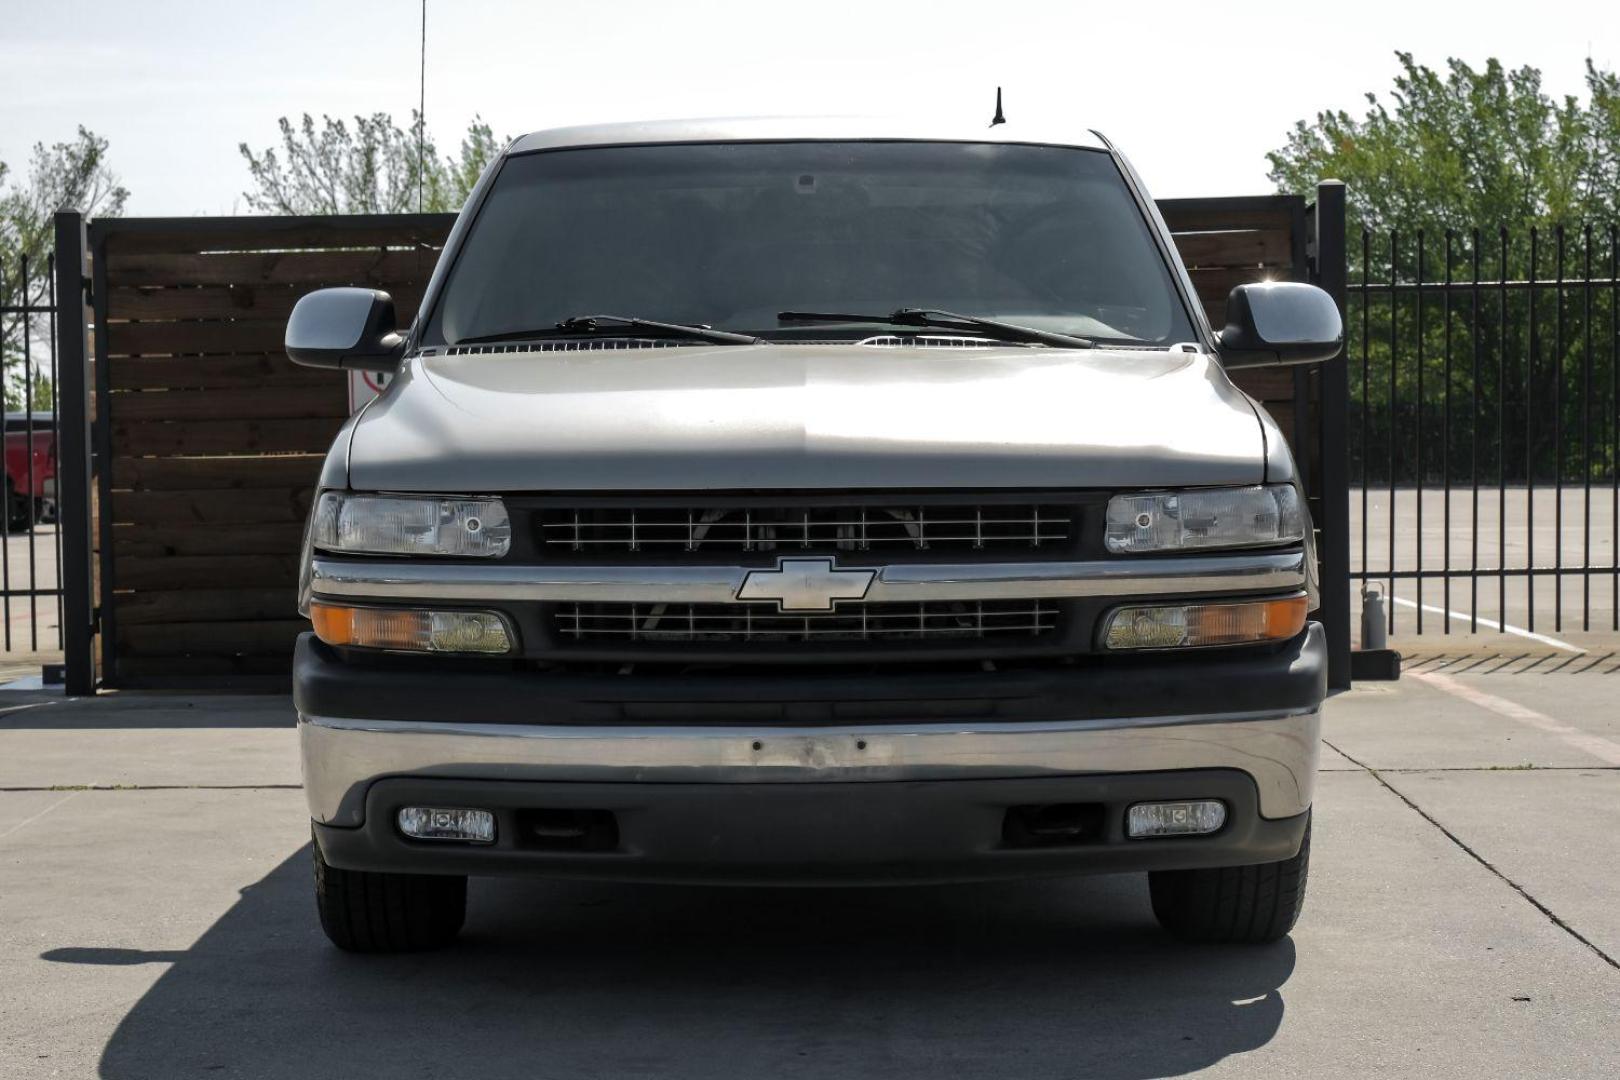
(805, 584)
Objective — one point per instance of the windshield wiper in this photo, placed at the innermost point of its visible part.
(590, 324)
(946, 320)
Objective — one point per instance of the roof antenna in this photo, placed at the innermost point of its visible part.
(421, 113)
(998, 118)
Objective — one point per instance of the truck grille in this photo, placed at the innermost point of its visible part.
(938, 620)
(716, 529)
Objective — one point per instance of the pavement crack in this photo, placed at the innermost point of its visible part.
(1477, 857)
(1527, 767)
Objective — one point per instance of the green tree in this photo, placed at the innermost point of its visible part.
(1452, 175)
(1465, 148)
(65, 175)
(373, 167)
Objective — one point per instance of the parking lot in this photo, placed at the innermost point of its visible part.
(1549, 529)
(28, 564)
(156, 921)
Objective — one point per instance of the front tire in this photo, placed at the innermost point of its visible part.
(367, 912)
(1249, 905)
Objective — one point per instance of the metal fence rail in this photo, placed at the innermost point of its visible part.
(30, 543)
(1485, 388)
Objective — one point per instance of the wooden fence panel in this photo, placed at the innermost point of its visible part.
(1230, 242)
(214, 439)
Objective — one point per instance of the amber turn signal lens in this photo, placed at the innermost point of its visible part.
(410, 631)
(1227, 622)
(333, 625)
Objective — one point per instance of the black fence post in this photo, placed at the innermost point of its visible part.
(73, 455)
(1333, 445)
(101, 455)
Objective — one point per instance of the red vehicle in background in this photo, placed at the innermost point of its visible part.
(30, 470)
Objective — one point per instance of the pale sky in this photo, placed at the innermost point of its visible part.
(1194, 92)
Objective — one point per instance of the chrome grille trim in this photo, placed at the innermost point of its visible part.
(804, 528)
(860, 621)
(400, 579)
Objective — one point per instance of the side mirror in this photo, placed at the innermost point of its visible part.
(1280, 322)
(345, 328)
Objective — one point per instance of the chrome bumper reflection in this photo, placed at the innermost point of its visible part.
(342, 757)
(401, 580)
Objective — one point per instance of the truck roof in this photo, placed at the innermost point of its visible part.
(791, 129)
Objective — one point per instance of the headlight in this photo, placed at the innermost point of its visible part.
(1204, 518)
(411, 525)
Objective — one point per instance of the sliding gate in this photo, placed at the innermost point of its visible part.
(1485, 428)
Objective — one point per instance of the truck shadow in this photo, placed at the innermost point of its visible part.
(1062, 978)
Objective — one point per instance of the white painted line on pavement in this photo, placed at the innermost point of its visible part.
(36, 817)
(1493, 624)
(1603, 749)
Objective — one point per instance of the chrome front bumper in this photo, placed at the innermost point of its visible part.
(343, 757)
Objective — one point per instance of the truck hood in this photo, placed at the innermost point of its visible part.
(806, 416)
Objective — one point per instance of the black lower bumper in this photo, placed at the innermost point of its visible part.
(1291, 675)
(832, 833)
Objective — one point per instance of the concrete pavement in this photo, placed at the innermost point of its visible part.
(156, 921)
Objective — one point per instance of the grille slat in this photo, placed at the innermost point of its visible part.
(715, 530)
(858, 621)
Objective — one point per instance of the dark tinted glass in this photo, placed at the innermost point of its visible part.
(730, 234)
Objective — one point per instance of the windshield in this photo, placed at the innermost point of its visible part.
(728, 235)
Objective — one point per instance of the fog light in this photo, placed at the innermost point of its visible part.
(414, 631)
(442, 823)
(1174, 818)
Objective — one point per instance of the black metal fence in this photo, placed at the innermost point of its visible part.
(30, 543)
(1485, 426)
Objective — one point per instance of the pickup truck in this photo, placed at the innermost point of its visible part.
(809, 502)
